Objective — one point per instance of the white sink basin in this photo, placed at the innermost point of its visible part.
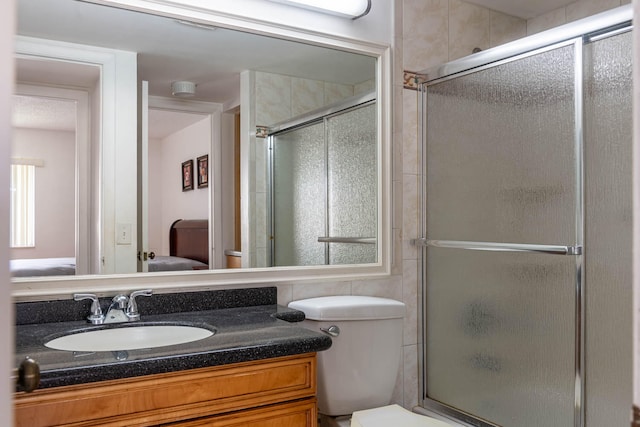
(129, 338)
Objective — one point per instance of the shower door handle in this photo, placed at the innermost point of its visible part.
(359, 240)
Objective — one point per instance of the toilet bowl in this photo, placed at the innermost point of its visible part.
(357, 375)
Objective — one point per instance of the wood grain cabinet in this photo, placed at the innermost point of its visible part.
(279, 392)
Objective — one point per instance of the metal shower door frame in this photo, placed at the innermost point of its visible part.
(577, 34)
(314, 117)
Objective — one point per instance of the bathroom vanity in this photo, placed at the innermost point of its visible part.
(278, 392)
(257, 369)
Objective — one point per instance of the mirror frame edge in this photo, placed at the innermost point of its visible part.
(34, 289)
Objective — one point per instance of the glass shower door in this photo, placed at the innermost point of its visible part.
(324, 190)
(608, 212)
(298, 188)
(503, 235)
(352, 186)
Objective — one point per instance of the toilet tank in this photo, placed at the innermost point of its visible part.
(360, 369)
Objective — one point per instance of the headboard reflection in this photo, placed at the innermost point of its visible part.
(189, 238)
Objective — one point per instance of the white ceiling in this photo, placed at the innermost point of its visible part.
(524, 9)
(163, 123)
(60, 115)
(44, 113)
(50, 113)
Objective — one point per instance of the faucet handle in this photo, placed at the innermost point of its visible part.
(95, 316)
(132, 306)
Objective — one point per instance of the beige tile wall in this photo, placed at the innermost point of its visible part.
(438, 31)
(572, 12)
(427, 33)
(280, 97)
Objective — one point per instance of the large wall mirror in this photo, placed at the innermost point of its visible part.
(191, 151)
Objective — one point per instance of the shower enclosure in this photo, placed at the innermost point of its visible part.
(323, 187)
(527, 230)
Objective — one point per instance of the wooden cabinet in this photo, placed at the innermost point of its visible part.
(266, 393)
(294, 414)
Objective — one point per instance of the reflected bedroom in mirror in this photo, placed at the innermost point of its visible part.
(282, 139)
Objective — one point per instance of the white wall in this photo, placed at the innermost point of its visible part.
(7, 30)
(55, 191)
(165, 190)
(154, 199)
(95, 191)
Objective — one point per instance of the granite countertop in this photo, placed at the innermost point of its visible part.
(248, 325)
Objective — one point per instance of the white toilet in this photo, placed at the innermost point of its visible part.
(357, 375)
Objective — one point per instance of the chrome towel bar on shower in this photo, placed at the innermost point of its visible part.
(359, 240)
(504, 247)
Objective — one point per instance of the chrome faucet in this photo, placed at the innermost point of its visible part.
(116, 312)
(122, 309)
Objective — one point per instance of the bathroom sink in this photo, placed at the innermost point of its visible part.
(129, 338)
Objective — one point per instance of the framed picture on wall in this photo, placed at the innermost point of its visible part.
(203, 171)
(187, 175)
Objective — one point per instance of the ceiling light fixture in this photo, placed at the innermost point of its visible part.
(183, 89)
(353, 9)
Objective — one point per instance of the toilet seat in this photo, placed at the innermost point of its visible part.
(393, 415)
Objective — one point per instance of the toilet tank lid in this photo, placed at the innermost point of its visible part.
(349, 307)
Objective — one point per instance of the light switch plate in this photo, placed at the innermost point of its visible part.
(123, 234)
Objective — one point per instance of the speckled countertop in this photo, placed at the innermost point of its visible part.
(248, 325)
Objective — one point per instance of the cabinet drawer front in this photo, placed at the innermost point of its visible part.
(297, 414)
(170, 397)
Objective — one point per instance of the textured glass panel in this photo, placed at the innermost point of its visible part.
(352, 184)
(299, 175)
(608, 254)
(500, 328)
(500, 153)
